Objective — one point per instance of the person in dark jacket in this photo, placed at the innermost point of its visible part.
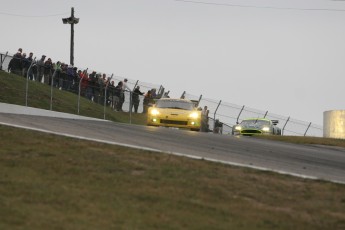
(118, 96)
(135, 98)
(26, 65)
(15, 65)
(48, 69)
(90, 91)
(40, 68)
(147, 101)
(111, 95)
(70, 77)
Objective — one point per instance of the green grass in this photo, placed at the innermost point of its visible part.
(306, 140)
(53, 182)
(13, 90)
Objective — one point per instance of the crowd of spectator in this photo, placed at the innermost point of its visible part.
(94, 86)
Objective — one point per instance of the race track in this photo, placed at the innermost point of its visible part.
(315, 162)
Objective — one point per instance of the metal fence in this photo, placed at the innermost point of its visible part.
(67, 78)
(227, 113)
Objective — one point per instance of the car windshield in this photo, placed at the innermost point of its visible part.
(256, 122)
(186, 105)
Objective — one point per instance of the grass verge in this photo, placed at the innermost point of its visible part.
(53, 182)
(306, 140)
(13, 91)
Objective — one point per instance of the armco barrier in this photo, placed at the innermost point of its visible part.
(227, 113)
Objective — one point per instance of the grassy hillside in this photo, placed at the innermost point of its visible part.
(13, 90)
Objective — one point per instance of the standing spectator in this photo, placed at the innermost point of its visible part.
(218, 127)
(96, 89)
(69, 80)
(57, 71)
(23, 64)
(118, 95)
(75, 84)
(15, 65)
(63, 77)
(107, 97)
(40, 68)
(147, 100)
(135, 98)
(124, 88)
(26, 65)
(103, 81)
(153, 93)
(204, 119)
(111, 95)
(48, 68)
(91, 86)
(84, 82)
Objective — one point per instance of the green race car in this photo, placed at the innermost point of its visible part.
(255, 126)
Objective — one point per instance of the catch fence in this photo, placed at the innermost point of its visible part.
(227, 113)
(230, 114)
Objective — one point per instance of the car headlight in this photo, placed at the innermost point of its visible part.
(154, 112)
(194, 115)
(266, 129)
(238, 128)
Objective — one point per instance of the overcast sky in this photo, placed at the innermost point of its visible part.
(284, 56)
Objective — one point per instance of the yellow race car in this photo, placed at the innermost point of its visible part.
(179, 113)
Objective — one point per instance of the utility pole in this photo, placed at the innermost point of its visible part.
(71, 20)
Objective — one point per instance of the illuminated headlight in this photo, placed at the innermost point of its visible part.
(265, 129)
(154, 112)
(238, 128)
(194, 115)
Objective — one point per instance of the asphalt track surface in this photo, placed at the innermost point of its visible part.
(307, 161)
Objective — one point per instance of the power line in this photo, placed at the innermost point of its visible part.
(259, 7)
(32, 16)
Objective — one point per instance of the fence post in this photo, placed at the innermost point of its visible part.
(130, 107)
(27, 82)
(159, 92)
(51, 89)
(2, 60)
(199, 100)
(214, 115)
(81, 79)
(307, 129)
(136, 83)
(285, 125)
(238, 117)
(105, 95)
(183, 95)
(265, 114)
